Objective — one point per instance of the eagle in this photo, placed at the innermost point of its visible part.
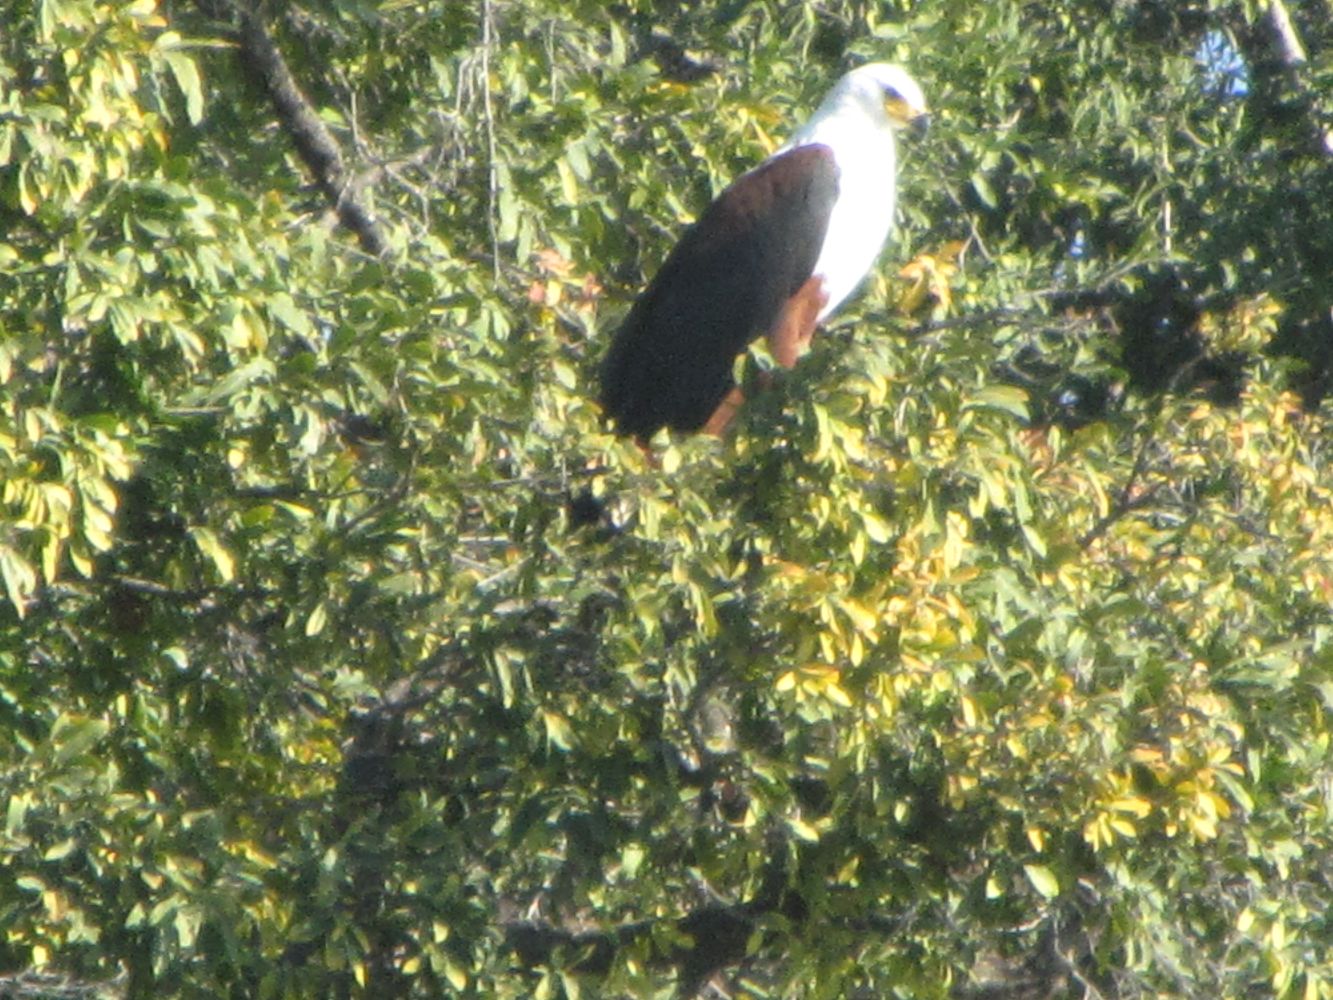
(773, 255)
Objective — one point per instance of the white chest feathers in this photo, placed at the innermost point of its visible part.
(867, 194)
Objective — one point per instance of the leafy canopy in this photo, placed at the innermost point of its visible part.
(345, 651)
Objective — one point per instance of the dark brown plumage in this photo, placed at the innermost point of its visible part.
(726, 282)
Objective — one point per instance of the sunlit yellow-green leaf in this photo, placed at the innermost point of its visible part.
(1043, 880)
(211, 547)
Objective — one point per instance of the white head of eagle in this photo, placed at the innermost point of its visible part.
(773, 255)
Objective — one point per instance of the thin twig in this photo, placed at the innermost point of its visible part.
(974, 234)
(1126, 502)
(492, 168)
(970, 319)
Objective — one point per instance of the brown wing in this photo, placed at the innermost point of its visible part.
(723, 285)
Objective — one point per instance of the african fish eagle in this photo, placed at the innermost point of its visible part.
(774, 254)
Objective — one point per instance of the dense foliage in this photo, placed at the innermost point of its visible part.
(345, 652)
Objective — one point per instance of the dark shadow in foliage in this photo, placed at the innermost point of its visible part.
(1160, 346)
(1160, 343)
(716, 936)
(1310, 342)
(584, 509)
(1057, 396)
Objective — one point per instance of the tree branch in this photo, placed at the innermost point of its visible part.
(314, 142)
(1289, 43)
(33, 985)
(718, 935)
(492, 168)
(1291, 53)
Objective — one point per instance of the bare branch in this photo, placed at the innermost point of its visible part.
(492, 168)
(1291, 53)
(314, 142)
(1279, 22)
(33, 985)
(718, 937)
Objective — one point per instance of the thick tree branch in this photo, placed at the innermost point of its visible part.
(33, 985)
(314, 142)
(1284, 32)
(716, 935)
(719, 936)
(1286, 44)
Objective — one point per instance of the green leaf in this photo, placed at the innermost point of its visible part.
(802, 829)
(20, 579)
(186, 74)
(60, 851)
(984, 190)
(318, 618)
(211, 547)
(558, 731)
(455, 974)
(1005, 398)
(1043, 880)
(73, 736)
(285, 311)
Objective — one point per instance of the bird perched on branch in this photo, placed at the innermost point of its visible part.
(773, 255)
